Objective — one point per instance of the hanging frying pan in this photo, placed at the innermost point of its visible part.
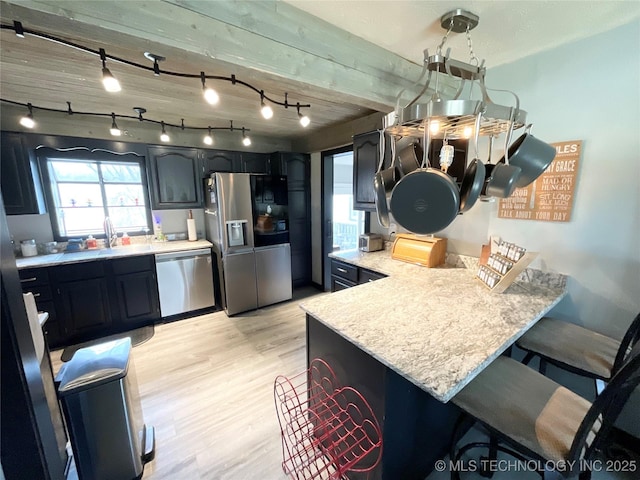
(473, 179)
(426, 200)
(504, 176)
(384, 181)
(409, 155)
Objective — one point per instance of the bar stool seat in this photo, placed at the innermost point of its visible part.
(521, 404)
(578, 349)
(572, 345)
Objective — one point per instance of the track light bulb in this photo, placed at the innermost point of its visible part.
(304, 120)
(467, 132)
(208, 139)
(163, 136)
(27, 120)
(434, 126)
(115, 131)
(211, 96)
(246, 141)
(111, 83)
(267, 111)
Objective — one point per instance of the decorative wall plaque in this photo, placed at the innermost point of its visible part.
(550, 197)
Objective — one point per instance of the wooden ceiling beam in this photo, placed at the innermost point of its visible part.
(270, 37)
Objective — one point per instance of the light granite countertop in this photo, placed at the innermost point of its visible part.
(106, 253)
(437, 327)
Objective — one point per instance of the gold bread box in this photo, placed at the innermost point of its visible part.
(427, 251)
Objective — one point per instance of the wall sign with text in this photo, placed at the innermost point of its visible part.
(550, 197)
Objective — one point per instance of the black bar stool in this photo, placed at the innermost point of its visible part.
(578, 349)
(531, 417)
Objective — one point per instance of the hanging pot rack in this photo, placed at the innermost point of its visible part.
(456, 117)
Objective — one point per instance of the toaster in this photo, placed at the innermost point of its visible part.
(370, 242)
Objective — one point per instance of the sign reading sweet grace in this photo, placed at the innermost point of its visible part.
(550, 197)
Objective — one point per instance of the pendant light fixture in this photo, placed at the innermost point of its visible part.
(265, 110)
(208, 139)
(163, 136)
(115, 131)
(27, 120)
(246, 141)
(111, 83)
(304, 120)
(454, 117)
(210, 95)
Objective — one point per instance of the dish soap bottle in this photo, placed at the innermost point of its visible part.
(126, 240)
(91, 242)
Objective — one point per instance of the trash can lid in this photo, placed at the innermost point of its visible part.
(93, 366)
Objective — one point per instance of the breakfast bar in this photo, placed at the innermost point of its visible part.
(409, 342)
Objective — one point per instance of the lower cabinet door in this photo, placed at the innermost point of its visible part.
(84, 307)
(138, 301)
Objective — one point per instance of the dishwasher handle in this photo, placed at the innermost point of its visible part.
(167, 257)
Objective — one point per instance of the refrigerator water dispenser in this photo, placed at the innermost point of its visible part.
(236, 233)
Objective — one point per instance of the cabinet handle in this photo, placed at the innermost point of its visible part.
(370, 280)
(341, 270)
(36, 295)
(32, 279)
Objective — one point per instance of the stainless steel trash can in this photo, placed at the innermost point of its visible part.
(98, 391)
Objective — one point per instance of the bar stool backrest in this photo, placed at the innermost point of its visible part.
(605, 409)
(630, 339)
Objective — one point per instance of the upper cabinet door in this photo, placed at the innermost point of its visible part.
(18, 189)
(365, 163)
(220, 161)
(255, 162)
(174, 178)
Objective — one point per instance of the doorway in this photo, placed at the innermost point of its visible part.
(341, 224)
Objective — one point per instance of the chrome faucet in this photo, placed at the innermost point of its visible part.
(110, 233)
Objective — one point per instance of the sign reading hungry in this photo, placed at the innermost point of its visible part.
(550, 197)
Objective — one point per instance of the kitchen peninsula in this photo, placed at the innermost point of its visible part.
(411, 341)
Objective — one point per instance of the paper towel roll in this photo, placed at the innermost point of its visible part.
(191, 229)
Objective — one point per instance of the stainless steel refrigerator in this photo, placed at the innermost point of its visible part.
(246, 220)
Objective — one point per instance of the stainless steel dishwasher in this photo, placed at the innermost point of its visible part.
(185, 281)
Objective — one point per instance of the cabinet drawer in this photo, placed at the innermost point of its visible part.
(369, 276)
(142, 263)
(31, 277)
(339, 283)
(79, 271)
(41, 293)
(344, 270)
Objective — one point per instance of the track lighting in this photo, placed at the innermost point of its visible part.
(265, 110)
(210, 95)
(163, 136)
(27, 120)
(111, 83)
(115, 131)
(304, 120)
(208, 139)
(246, 141)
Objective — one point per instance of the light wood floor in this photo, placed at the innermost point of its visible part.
(206, 386)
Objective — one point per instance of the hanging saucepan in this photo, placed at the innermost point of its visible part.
(384, 181)
(409, 155)
(504, 176)
(488, 170)
(532, 155)
(425, 200)
(473, 179)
